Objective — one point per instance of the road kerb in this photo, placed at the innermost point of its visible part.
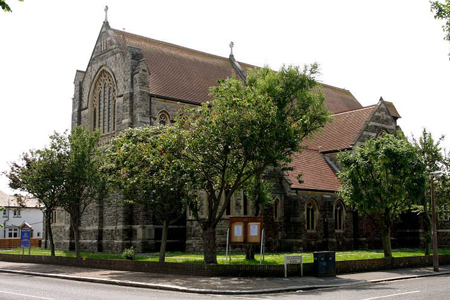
(217, 292)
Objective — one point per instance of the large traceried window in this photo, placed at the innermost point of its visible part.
(104, 103)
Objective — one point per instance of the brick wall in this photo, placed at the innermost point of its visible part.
(342, 267)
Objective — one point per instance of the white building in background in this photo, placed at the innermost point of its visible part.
(14, 214)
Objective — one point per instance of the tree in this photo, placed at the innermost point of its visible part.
(39, 173)
(259, 194)
(442, 12)
(143, 164)
(81, 177)
(381, 180)
(435, 160)
(5, 6)
(248, 127)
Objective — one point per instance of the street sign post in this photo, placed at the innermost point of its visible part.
(293, 260)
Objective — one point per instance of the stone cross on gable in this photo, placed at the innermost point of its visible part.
(106, 13)
(231, 47)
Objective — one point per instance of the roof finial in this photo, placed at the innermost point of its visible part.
(231, 47)
(106, 14)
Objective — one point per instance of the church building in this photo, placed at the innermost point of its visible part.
(134, 81)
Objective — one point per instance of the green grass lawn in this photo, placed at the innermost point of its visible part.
(236, 258)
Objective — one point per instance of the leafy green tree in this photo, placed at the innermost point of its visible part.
(248, 127)
(144, 165)
(259, 193)
(81, 177)
(39, 173)
(435, 160)
(381, 180)
(442, 12)
(5, 6)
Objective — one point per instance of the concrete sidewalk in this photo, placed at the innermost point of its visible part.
(213, 285)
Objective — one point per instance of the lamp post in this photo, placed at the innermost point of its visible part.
(434, 175)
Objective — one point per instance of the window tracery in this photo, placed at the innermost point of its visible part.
(163, 118)
(104, 104)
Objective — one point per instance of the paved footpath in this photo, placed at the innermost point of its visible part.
(214, 285)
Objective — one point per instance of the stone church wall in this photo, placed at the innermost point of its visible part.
(109, 225)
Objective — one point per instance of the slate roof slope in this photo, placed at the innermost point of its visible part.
(316, 173)
(342, 131)
(186, 74)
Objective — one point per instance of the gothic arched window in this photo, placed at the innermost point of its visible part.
(339, 215)
(163, 118)
(311, 215)
(104, 103)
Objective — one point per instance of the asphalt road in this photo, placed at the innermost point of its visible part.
(23, 287)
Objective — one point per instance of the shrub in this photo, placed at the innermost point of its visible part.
(129, 253)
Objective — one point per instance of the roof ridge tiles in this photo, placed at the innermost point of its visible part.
(354, 109)
(332, 86)
(179, 46)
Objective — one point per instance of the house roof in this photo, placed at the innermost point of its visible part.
(3, 197)
(186, 74)
(342, 131)
(12, 201)
(316, 173)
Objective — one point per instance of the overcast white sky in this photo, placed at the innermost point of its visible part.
(394, 49)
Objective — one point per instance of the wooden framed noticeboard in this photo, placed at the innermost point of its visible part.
(237, 232)
(245, 230)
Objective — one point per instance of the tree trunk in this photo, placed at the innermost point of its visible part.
(209, 246)
(250, 252)
(49, 234)
(76, 237)
(162, 250)
(426, 227)
(386, 238)
(46, 229)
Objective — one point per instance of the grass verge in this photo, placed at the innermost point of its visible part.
(236, 258)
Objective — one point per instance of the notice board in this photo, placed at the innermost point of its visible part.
(245, 230)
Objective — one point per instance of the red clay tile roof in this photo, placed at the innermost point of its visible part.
(186, 74)
(339, 100)
(179, 72)
(316, 173)
(342, 131)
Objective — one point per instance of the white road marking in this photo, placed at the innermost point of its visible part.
(16, 294)
(393, 295)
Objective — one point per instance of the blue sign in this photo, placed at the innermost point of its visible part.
(25, 238)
